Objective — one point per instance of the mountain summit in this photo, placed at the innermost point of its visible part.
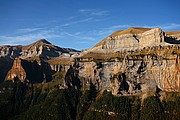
(135, 38)
(42, 48)
(42, 41)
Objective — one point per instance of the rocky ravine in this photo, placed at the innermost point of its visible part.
(131, 61)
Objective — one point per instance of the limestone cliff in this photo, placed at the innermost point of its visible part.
(130, 39)
(132, 61)
(133, 72)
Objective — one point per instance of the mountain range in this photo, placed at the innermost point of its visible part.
(138, 49)
(42, 48)
(136, 62)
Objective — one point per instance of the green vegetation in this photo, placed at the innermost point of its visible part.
(20, 101)
(171, 105)
(152, 109)
(86, 99)
(109, 107)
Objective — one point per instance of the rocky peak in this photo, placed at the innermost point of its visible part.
(130, 39)
(42, 48)
(44, 41)
(39, 43)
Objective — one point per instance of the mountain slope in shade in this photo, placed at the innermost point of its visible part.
(42, 48)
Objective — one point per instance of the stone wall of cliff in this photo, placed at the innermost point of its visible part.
(130, 41)
(134, 73)
(17, 71)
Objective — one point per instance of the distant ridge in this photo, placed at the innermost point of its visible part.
(42, 48)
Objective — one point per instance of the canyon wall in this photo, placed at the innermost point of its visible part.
(134, 74)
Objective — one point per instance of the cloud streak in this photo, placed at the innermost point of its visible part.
(26, 30)
(171, 26)
(29, 35)
(164, 27)
(78, 21)
(77, 35)
(93, 12)
(27, 38)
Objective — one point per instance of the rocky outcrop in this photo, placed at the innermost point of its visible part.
(17, 71)
(174, 34)
(133, 61)
(30, 71)
(131, 39)
(41, 48)
(134, 73)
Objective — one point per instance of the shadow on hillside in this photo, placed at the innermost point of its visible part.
(171, 40)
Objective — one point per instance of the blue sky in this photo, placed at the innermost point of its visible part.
(80, 24)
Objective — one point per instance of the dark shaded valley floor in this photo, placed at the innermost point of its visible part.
(19, 101)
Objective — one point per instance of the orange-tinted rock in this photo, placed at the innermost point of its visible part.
(17, 70)
(130, 39)
(30, 71)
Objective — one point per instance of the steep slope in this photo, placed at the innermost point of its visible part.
(130, 39)
(35, 71)
(132, 61)
(42, 48)
(5, 66)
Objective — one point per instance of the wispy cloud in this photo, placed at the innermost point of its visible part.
(27, 38)
(164, 27)
(94, 12)
(76, 22)
(103, 32)
(119, 26)
(29, 35)
(77, 35)
(25, 30)
(170, 26)
(113, 28)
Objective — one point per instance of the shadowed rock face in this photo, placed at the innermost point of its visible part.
(32, 72)
(5, 66)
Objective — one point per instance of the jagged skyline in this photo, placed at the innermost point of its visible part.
(80, 24)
